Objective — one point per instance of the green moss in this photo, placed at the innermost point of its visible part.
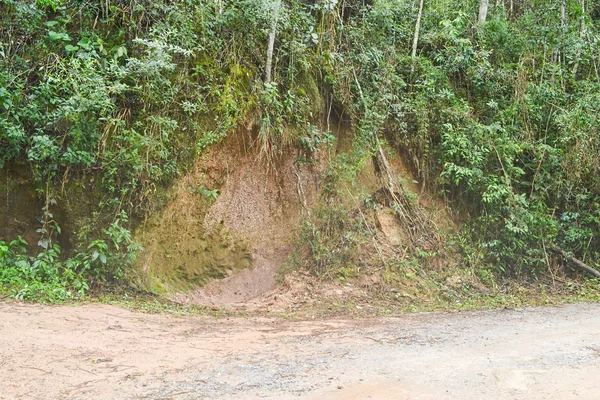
(157, 287)
(307, 84)
(181, 258)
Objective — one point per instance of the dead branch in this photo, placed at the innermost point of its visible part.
(575, 261)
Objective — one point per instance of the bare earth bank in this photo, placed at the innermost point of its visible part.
(105, 352)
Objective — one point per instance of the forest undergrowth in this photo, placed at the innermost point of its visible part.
(493, 109)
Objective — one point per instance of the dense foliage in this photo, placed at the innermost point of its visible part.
(501, 116)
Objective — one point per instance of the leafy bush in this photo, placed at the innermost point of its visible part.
(48, 277)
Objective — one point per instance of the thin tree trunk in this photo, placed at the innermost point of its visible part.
(417, 28)
(581, 37)
(269, 65)
(270, 53)
(483, 9)
(563, 31)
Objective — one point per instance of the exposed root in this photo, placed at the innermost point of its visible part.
(413, 217)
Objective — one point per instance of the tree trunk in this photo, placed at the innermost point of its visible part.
(270, 53)
(581, 38)
(269, 65)
(417, 28)
(483, 9)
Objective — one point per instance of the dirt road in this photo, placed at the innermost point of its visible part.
(105, 352)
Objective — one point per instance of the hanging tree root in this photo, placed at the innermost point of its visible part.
(575, 261)
(418, 224)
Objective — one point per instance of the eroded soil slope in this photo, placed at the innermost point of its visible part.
(229, 224)
(105, 352)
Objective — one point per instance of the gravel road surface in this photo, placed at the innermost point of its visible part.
(106, 352)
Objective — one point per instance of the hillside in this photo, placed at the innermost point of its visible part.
(420, 152)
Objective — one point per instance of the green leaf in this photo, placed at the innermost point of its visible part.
(121, 51)
(70, 48)
(59, 36)
(85, 44)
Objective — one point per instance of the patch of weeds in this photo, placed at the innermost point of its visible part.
(349, 271)
(209, 195)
